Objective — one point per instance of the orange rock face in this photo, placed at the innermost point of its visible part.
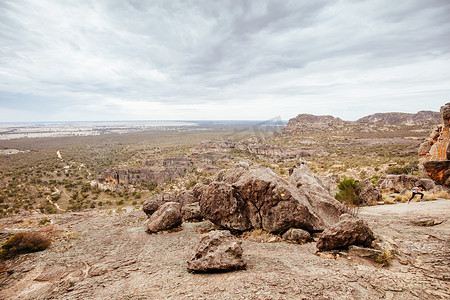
(435, 153)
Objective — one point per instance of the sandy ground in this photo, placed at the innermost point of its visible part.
(101, 255)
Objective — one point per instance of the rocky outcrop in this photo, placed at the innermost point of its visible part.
(349, 231)
(155, 175)
(368, 193)
(167, 216)
(259, 147)
(435, 153)
(307, 122)
(218, 251)
(421, 118)
(255, 197)
(184, 198)
(401, 183)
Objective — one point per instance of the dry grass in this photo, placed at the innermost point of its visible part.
(261, 236)
(387, 199)
(384, 258)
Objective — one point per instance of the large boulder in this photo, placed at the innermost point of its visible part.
(349, 231)
(256, 197)
(167, 216)
(191, 212)
(368, 193)
(185, 197)
(153, 203)
(400, 183)
(218, 251)
(435, 151)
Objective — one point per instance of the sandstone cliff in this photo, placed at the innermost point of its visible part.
(307, 122)
(435, 153)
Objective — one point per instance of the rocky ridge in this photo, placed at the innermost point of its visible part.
(306, 122)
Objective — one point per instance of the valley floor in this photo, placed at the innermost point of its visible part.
(107, 254)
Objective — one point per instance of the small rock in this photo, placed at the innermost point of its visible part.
(426, 222)
(348, 231)
(219, 251)
(363, 252)
(297, 235)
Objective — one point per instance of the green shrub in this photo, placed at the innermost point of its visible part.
(25, 242)
(44, 221)
(406, 169)
(348, 192)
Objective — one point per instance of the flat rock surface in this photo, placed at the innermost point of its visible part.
(108, 255)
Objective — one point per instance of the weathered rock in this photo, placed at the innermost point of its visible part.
(439, 171)
(197, 191)
(191, 212)
(222, 205)
(297, 235)
(435, 152)
(153, 203)
(219, 251)
(368, 193)
(185, 197)
(167, 216)
(349, 231)
(301, 177)
(363, 252)
(400, 183)
(426, 222)
(258, 198)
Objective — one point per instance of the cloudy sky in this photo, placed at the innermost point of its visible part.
(236, 59)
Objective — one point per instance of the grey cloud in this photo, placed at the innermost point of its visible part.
(214, 51)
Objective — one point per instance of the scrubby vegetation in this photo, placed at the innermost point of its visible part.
(25, 242)
(37, 179)
(348, 192)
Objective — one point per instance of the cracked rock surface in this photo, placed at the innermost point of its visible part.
(101, 255)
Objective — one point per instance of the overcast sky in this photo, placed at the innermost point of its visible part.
(200, 60)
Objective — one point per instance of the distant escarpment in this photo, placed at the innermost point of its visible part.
(310, 123)
(396, 118)
(307, 122)
(435, 152)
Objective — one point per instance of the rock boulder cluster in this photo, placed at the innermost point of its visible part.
(256, 197)
(435, 153)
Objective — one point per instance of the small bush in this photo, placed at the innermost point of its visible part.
(348, 192)
(25, 242)
(44, 221)
(406, 169)
(384, 258)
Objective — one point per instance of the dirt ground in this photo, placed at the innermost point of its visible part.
(108, 255)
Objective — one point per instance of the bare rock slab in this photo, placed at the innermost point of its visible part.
(348, 231)
(218, 251)
(167, 216)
